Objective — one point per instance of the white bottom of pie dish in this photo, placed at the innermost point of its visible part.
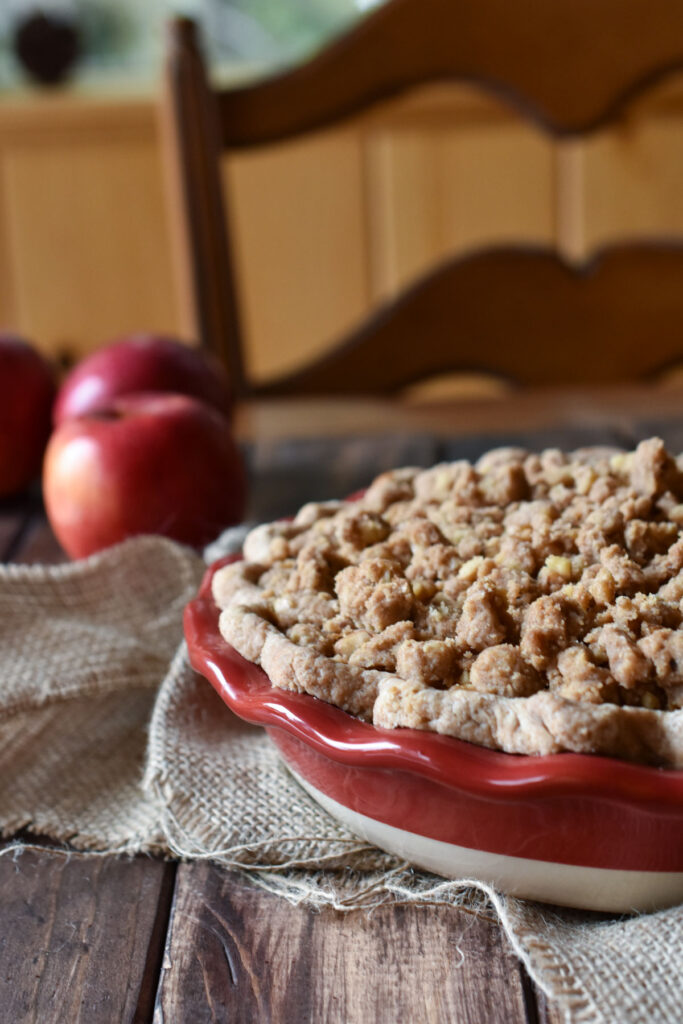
(571, 885)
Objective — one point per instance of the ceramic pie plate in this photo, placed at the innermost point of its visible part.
(573, 829)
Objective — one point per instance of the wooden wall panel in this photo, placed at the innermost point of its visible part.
(83, 226)
(440, 190)
(632, 182)
(299, 221)
(87, 233)
(326, 228)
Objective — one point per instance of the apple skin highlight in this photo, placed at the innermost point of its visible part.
(147, 463)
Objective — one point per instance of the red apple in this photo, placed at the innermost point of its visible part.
(27, 391)
(147, 463)
(145, 362)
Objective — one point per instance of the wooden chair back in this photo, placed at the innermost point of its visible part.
(570, 65)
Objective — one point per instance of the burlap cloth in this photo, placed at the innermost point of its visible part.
(109, 742)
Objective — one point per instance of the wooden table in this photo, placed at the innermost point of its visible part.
(115, 939)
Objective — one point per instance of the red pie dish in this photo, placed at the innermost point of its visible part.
(574, 829)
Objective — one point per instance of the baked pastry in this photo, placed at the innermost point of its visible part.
(527, 603)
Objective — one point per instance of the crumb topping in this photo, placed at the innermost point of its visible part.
(484, 601)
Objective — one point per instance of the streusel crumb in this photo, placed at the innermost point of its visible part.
(529, 602)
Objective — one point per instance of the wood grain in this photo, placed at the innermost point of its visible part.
(77, 936)
(524, 315)
(72, 260)
(500, 184)
(200, 214)
(237, 953)
(81, 938)
(299, 218)
(631, 181)
(83, 235)
(570, 64)
(438, 190)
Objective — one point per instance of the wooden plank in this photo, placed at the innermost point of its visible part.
(438, 191)
(549, 324)
(300, 246)
(237, 953)
(631, 181)
(80, 936)
(570, 226)
(569, 64)
(85, 238)
(537, 409)
(33, 116)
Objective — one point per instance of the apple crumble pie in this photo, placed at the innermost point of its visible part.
(530, 603)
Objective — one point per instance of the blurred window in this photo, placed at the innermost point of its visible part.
(125, 39)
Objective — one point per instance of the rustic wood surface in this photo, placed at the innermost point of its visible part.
(119, 939)
(234, 954)
(81, 936)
